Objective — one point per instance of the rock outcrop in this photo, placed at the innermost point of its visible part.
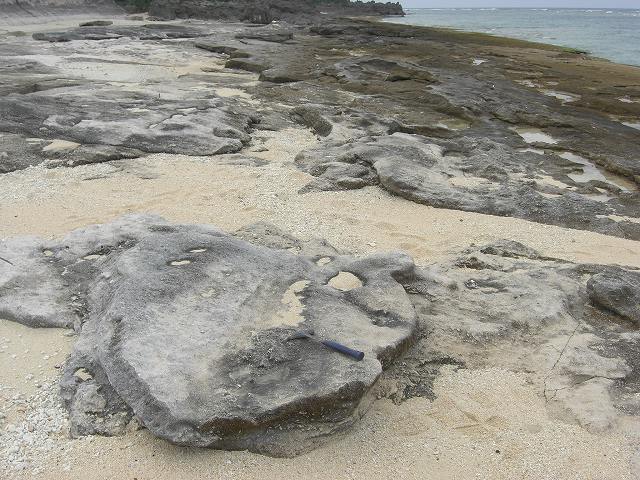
(470, 174)
(102, 32)
(186, 328)
(16, 12)
(267, 11)
(504, 305)
(618, 291)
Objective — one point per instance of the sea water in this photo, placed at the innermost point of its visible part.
(608, 33)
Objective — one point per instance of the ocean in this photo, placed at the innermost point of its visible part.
(613, 34)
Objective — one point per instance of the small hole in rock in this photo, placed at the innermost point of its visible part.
(345, 281)
(178, 263)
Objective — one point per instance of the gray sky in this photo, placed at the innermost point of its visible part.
(522, 3)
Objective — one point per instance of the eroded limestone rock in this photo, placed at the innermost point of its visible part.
(183, 328)
(504, 305)
(102, 32)
(472, 174)
(186, 328)
(617, 290)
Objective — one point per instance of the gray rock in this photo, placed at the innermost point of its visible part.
(617, 290)
(311, 117)
(142, 32)
(511, 249)
(17, 12)
(280, 75)
(473, 174)
(186, 327)
(371, 68)
(96, 23)
(247, 64)
(503, 305)
(111, 124)
(233, 52)
(266, 12)
(275, 36)
(89, 413)
(32, 291)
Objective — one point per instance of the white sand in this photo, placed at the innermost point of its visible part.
(483, 424)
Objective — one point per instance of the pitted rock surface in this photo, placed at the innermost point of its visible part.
(472, 174)
(143, 32)
(266, 12)
(186, 327)
(129, 121)
(183, 329)
(17, 12)
(618, 291)
(504, 305)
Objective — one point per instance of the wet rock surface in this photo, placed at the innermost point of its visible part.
(395, 106)
(233, 380)
(470, 174)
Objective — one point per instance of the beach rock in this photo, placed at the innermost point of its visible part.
(233, 52)
(16, 153)
(32, 292)
(46, 283)
(617, 290)
(311, 117)
(103, 122)
(19, 12)
(266, 12)
(280, 75)
(96, 23)
(371, 68)
(247, 64)
(142, 32)
(475, 174)
(526, 313)
(186, 327)
(275, 36)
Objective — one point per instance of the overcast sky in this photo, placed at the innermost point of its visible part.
(523, 3)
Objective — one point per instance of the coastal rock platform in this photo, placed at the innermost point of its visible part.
(228, 184)
(186, 328)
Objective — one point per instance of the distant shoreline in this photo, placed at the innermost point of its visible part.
(556, 30)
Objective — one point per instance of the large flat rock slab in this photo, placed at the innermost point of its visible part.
(17, 12)
(476, 174)
(133, 90)
(503, 305)
(110, 32)
(186, 328)
(90, 124)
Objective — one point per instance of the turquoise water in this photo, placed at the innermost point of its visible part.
(607, 33)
